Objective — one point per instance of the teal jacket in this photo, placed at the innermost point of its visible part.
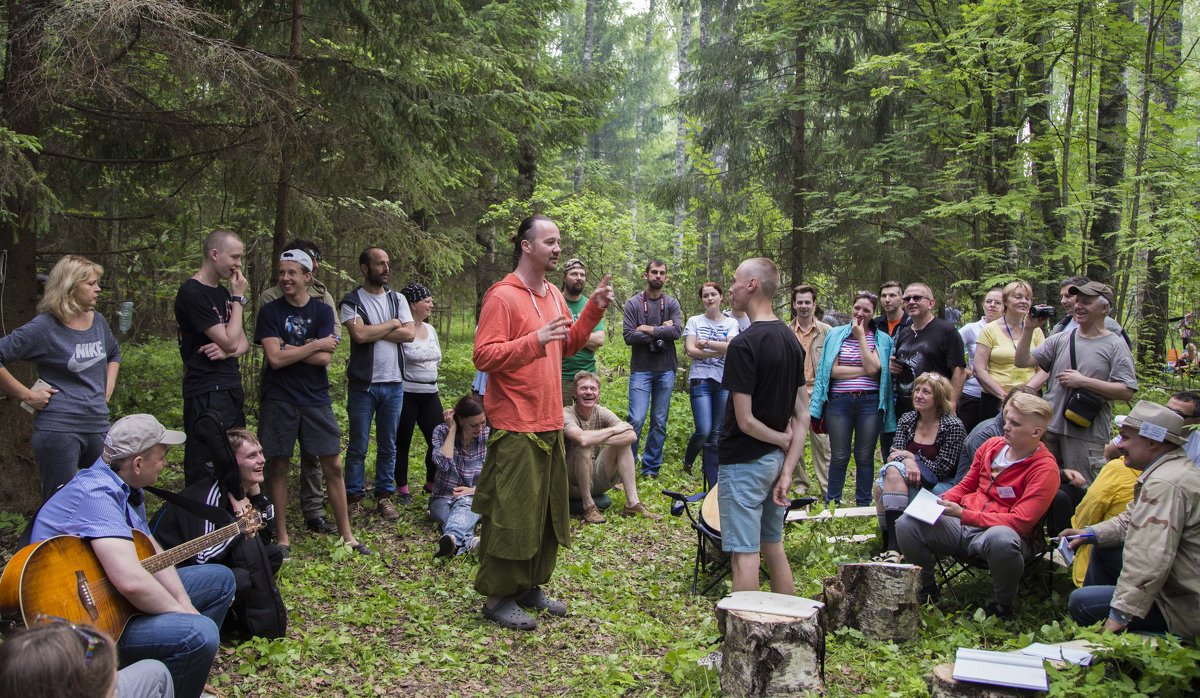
(833, 345)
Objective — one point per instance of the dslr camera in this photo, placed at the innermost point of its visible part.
(1046, 311)
(658, 346)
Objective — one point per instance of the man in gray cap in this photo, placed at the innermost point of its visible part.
(1088, 359)
(182, 610)
(1152, 584)
(574, 279)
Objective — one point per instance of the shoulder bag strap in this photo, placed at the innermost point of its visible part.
(1074, 367)
(209, 513)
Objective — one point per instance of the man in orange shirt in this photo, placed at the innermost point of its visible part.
(524, 331)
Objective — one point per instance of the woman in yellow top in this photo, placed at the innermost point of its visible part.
(997, 346)
(1109, 495)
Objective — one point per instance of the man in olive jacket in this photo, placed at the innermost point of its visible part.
(1153, 583)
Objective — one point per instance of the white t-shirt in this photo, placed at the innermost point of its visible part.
(970, 335)
(386, 367)
(421, 359)
(723, 330)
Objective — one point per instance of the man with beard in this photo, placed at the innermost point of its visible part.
(893, 318)
(378, 321)
(524, 331)
(574, 278)
(653, 322)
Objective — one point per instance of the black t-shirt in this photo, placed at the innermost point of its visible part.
(937, 347)
(765, 362)
(300, 383)
(197, 308)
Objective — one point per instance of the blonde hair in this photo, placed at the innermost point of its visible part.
(1030, 406)
(1014, 286)
(240, 436)
(59, 298)
(940, 387)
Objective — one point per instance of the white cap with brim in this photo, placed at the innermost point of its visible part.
(135, 434)
(1156, 422)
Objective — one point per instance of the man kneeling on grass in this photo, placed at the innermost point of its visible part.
(593, 467)
(993, 511)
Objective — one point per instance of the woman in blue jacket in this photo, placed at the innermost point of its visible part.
(853, 394)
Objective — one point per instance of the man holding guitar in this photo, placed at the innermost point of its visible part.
(182, 610)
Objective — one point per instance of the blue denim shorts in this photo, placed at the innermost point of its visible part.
(912, 489)
(749, 516)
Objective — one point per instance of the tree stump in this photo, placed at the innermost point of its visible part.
(877, 598)
(942, 685)
(774, 644)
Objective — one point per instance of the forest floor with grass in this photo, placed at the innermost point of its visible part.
(402, 623)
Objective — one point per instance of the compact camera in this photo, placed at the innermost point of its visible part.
(1046, 311)
(658, 346)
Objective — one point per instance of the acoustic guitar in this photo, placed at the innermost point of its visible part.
(62, 577)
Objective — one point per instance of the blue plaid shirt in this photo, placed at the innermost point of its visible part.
(463, 469)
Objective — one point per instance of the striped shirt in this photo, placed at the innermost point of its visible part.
(463, 469)
(850, 355)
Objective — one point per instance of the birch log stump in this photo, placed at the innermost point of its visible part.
(773, 644)
(942, 685)
(877, 598)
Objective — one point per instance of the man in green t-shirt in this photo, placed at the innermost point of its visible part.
(574, 279)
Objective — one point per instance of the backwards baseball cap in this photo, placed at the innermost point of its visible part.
(299, 257)
(1156, 422)
(1092, 288)
(573, 263)
(135, 434)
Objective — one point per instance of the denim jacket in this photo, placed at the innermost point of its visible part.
(833, 346)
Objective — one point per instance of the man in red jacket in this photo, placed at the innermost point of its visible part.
(993, 511)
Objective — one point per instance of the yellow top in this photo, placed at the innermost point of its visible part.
(1003, 352)
(1109, 495)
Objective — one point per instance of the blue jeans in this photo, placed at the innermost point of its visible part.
(650, 391)
(854, 415)
(708, 409)
(456, 518)
(1090, 605)
(383, 401)
(187, 644)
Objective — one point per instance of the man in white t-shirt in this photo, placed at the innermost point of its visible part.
(378, 321)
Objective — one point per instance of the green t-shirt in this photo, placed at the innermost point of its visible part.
(584, 359)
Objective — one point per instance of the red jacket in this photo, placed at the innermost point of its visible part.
(1018, 498)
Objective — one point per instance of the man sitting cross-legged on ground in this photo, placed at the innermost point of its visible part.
(992, 512)
(182, 610)
(459, 448)
(593, 468)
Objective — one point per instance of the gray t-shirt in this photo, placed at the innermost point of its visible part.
(386, 365)
(1104, 358)
(73, 361)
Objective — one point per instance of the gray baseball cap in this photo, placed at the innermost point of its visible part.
(137, 433)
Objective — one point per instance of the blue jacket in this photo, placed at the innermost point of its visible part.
(833, 345)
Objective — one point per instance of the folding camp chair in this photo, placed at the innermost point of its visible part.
(706, 522)
(951, 568)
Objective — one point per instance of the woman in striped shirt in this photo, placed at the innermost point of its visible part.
(853, 397)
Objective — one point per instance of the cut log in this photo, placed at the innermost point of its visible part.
(773, 644)
(942, 685)
(877, 598)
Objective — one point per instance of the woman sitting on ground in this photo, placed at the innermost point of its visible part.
(58, 659)
(997, 347)
(459, 447)
(924, 455)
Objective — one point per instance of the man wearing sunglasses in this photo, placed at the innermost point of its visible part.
(927, 343)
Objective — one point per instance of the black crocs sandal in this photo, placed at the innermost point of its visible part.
(509, 615)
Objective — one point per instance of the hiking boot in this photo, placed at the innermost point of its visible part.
(640, 509)
(354, 508)
(386, 509)
(999, 610)
(592, 515)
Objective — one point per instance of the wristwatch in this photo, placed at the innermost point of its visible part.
(240, 299)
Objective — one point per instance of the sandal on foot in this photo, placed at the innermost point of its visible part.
(509, 615)
(536, 598)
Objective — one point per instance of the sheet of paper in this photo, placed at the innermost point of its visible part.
(1064, 548)
(1000, 669)
(925, 507)
(1059, 653)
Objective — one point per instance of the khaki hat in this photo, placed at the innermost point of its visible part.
(1156, 422)
(573, 263)
(1092, 288)
(137, 433)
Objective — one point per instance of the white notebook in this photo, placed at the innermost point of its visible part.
(925, 507)
(1000, 669)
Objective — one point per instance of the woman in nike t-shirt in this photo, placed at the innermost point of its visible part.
(77, 359)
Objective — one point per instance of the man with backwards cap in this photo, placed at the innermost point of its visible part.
(1153, 583)
(296, 334)
(1102, 365)
(574, 279)
(182, 609)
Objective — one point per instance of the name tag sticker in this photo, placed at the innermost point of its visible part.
(1153, 432)
(1006, 492)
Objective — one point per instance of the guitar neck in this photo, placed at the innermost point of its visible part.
(167, 558)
